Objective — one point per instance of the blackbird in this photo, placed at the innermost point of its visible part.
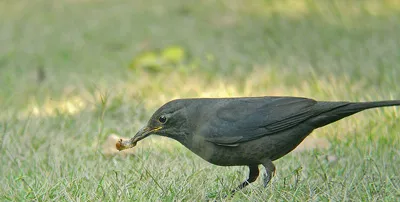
(245, 131)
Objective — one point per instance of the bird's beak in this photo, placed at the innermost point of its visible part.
(141, 134)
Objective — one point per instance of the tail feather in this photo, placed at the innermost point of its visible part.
(344, 109)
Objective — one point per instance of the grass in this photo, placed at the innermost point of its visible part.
(73, 72)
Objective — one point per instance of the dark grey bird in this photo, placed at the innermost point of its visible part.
(246, 131)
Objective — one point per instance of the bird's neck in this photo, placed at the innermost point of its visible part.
(180, 137)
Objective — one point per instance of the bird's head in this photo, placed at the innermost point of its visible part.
(170, 120)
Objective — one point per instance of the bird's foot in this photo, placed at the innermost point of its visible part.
(269, 171)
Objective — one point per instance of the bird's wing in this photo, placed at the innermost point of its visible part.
(244, 120)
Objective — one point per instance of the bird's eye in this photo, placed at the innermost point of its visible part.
(162, 119)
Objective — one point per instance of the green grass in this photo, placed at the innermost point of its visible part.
(72, 72)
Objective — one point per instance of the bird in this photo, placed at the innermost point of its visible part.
(245, 131)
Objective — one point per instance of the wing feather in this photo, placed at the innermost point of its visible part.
(248, 119)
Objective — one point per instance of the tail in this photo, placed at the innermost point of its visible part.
(334, 111)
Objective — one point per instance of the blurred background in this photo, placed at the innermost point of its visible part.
(74, 74)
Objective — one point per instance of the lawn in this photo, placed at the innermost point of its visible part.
(75, 72)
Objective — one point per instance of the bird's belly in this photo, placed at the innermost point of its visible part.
(225, 155)
(252, 152)
(218, 155)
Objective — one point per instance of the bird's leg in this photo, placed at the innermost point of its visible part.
(269, 171)
(253, 174)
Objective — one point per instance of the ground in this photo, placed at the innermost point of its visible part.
(75, 72)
